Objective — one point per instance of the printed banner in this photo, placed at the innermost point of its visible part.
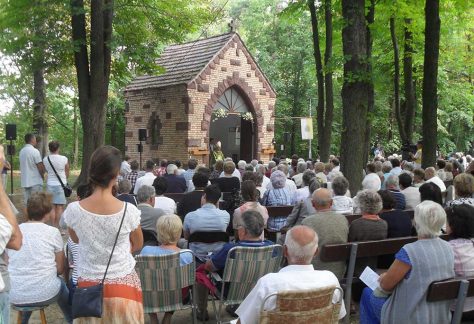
(306, 128)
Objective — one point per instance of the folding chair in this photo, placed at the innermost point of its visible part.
(243, 267)
(301, 307)
(162, 279)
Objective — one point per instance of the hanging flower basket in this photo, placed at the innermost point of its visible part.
(247, 116)
(219, 113)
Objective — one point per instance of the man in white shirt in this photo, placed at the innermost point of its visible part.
(412, 194)
(430, 176)
(147, 179)
(31, 167)
(125, 166)
(301, 244)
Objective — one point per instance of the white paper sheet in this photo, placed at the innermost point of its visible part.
(370, 278)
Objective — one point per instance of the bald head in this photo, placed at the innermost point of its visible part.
(301, 244)
(322, 199)
(430, 173)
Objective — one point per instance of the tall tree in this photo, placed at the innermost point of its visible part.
(370, 18)
(354, 91)
(138, 28)
(325, 107)
(430, 83)
(409, 105)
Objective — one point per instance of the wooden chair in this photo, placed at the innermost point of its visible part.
(163, 279)
(302, 307)
(243, 267)
(276, 211)
(459, 289)
(21, 309)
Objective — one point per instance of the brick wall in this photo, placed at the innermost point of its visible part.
(185, 112)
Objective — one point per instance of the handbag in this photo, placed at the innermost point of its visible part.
(87, 301)
(67, 188)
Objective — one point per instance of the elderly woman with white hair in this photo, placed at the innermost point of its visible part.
(277, 195)
(340, 202)
(370, 227)
(168, 228)
(401, 295)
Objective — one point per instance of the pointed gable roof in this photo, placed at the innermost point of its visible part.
(183, 63)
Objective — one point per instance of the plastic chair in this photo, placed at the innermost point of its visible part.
(162, 279)
(301, 307)
(21, 309)
(243, 267)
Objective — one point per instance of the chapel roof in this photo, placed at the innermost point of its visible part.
(184, 62)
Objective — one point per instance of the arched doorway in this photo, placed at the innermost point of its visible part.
(232, 125)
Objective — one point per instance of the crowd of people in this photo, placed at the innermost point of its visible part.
(136, 206)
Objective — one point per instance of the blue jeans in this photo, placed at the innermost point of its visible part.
(61, 298)
(4, 307)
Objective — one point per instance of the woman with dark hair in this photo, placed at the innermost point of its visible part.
(93, 223)
(430, 191)
(250, 196)
(398, 221)
(460, 228)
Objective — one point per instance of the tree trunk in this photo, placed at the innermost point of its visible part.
(430, 83)
(396, 81)
(328, 116)
(354, 92)
(410, 99)
(75, 136)
(93, 76)
(323, 151)
(40, 126)
(370, 17)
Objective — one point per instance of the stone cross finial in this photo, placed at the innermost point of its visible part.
(232, 26)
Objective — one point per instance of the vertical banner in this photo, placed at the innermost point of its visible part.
(306, 128)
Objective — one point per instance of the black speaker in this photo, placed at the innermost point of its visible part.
(142, 134)
(10, 131)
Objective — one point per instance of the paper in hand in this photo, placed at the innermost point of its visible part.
(370, 278)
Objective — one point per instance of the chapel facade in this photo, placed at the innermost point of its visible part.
(210, 88)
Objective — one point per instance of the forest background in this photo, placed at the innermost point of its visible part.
(39, 64)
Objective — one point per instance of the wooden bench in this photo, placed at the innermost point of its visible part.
(459, 288)
(353, 250)
(276, 211)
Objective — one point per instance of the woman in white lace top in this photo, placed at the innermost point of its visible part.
(93, 223)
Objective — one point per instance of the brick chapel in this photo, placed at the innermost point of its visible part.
(210, 88)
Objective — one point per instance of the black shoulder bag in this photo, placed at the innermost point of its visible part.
(67, 188)
(87, 302)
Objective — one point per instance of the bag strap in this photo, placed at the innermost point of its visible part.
(115, 243)
(57, 176)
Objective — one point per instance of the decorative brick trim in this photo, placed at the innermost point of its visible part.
(138, 119)
(235, 62)
(203, 88)
(128, 134)
(168, 115)
(146, 106)
(270, 127)
(193, 142)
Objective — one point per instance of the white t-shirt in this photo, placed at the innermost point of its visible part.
(96, 235)
(437, 181)
(125, 168)
(29, 158)
(166, 204)
(147, 179)
(301, 194)
(59, 162)
(292, 277)
(33, 271)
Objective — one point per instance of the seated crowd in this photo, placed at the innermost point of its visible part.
(168, 208)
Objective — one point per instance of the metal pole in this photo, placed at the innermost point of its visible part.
(11, 168)
(310, 154)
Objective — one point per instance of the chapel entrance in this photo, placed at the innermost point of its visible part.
(232, 124)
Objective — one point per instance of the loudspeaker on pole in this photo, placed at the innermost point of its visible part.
(142, 135)
(10, 132)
